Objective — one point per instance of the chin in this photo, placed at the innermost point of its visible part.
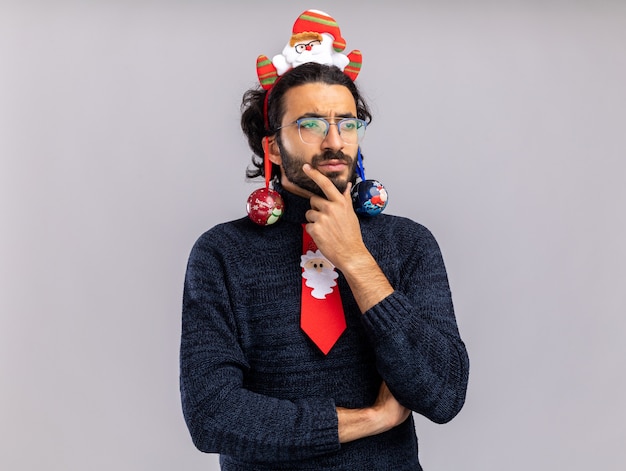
(340, 183)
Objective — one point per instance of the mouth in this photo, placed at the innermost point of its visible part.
(334, 165)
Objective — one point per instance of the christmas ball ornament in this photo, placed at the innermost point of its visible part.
(369, 197)
(265, 206)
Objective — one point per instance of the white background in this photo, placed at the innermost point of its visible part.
(498, 125)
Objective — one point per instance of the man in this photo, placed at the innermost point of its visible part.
(255, 388)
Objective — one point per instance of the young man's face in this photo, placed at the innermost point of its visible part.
(332, 156)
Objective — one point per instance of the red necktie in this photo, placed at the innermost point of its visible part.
(322, 317)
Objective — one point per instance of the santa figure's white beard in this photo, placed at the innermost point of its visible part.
(319, 56)
(323, 53)
(321, 282)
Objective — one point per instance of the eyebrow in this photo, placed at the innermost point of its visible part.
(318, 115)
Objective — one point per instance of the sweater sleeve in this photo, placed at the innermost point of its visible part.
(222, 416)
(419, 352)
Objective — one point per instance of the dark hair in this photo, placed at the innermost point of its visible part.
(252, 116)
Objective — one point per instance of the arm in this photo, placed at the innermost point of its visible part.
(221, 414)
(418, 348)
(335, 228)
(419, 351)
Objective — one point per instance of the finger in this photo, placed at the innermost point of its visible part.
(318, 203)
(327, 186)
(312, 215)
(347, 193)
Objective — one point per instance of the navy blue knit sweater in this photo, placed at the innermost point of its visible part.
(256, 390)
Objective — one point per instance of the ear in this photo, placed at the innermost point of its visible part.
(273, 153)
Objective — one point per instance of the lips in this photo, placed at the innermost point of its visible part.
(334, 165)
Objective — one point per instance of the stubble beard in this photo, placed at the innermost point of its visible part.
(292, 168)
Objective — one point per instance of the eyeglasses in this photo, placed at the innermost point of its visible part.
(315, 130)
(300, 48)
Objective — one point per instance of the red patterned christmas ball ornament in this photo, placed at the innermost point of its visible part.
(265, 206)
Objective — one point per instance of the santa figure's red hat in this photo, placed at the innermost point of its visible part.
(319, 22)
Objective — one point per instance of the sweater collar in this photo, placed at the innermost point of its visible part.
(295, 206)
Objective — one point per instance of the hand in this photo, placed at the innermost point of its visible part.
(335, 228)
(385, 414)
(332, 222)
(391, 411)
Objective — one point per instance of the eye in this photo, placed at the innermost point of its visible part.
(349, 125)
(314, 125)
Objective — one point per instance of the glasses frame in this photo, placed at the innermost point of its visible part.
(298, 122)
(301, 47)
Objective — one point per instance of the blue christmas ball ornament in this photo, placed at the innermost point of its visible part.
(369, 197)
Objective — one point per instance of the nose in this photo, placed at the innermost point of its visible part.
(309, 47)
(333, 140)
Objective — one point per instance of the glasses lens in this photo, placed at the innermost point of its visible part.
(351, 130)
(312, 130)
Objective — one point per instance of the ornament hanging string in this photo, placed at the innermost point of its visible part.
(359, 165)
(267, 162)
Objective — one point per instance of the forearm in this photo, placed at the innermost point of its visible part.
(357, 423)
(258, 427)
(385, 414)
(426, 366)
(424, 363)
(368, 283)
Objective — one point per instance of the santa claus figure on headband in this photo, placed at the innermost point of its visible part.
(315, 37)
